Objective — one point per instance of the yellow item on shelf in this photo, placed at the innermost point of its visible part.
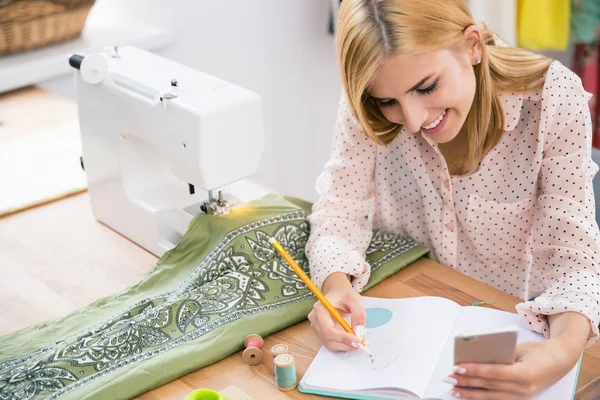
(543, 24)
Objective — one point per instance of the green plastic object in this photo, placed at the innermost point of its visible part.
(205, 394)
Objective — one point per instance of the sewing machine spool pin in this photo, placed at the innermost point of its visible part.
(167, 96)
(114, 51)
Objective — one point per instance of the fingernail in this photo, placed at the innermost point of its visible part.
(451, 381)
(460, 370)
(355, 345)
(455, 394)
(360, 331)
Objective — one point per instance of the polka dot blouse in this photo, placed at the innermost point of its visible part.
(523, 223)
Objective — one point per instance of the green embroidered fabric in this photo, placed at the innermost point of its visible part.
(222, 282)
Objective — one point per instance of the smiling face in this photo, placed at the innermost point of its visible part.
(430, 92)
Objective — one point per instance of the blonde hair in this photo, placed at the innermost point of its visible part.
(371, 31)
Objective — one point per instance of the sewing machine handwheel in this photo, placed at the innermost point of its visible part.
(75, 61)
(93, 69)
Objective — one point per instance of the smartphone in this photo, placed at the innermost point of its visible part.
(486, 347)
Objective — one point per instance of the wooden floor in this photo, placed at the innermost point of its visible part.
(50, 266)
(31, 110)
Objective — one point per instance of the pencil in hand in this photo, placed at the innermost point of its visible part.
(313, 288)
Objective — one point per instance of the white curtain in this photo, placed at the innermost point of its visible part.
(499, 15)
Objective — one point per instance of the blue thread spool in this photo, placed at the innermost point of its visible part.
(285, 372)
(277, 350)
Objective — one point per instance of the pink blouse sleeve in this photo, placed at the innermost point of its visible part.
(341, 222)
(565, 237)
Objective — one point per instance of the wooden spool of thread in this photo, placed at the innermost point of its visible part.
(285, 372)
(277, 350)
(253, 355)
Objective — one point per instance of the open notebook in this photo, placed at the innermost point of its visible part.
(412, 343)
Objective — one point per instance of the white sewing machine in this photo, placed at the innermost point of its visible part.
(159, 139)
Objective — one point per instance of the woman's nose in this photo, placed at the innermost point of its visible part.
(415, 116)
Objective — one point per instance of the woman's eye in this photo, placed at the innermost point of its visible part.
(386, 103)
(429, 89)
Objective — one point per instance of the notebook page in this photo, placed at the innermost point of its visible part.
(479, 318)
(406, 338)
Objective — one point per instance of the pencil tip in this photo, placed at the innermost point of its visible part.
(365, 348)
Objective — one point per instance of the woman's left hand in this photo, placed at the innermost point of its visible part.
(538, 366)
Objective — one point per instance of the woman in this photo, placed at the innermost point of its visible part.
(475, 149)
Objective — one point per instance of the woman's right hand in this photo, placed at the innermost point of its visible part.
(346, 300)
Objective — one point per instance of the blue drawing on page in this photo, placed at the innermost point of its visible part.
(377, 317)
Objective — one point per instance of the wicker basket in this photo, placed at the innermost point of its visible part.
(30, 24)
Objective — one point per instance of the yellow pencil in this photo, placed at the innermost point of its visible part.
(313, 288)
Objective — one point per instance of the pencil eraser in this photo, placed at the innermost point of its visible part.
(271, 240)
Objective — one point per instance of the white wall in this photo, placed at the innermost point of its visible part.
(282, 50)
(499, 15)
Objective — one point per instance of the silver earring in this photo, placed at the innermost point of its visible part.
(478, 61)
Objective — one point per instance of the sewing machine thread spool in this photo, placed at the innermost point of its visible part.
(285, 372)
(253, 354)
(277, 350)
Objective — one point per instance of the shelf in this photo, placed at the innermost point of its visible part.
(39, 65)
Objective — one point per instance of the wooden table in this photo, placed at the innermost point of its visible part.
(423, 278)
(56, 258)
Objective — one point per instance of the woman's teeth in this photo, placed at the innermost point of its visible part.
(436, 122)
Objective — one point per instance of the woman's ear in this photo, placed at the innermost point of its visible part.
(473, 40)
